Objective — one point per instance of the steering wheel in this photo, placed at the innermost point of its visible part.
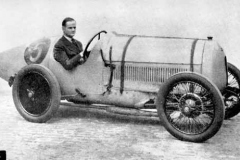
(86, 52)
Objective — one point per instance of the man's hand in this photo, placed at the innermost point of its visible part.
(81, 60)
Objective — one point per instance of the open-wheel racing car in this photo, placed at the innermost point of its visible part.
(184, 79)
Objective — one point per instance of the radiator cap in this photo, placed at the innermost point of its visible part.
(209, 37)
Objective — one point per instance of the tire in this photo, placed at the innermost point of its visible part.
(232, 92)
(36, 93)
(190, 107)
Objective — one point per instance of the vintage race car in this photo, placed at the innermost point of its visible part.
(184, 79)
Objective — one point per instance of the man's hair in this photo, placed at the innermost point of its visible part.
(68, 19)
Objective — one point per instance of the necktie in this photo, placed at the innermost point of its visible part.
(74, 42)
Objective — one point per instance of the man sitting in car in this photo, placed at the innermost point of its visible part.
(67, 49)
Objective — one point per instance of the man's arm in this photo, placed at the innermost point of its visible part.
(61, 56)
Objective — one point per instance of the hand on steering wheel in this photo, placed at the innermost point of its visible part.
(81, 60)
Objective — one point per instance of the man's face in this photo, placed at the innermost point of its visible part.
(70, 29)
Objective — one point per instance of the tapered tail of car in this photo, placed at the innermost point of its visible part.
(11, 61)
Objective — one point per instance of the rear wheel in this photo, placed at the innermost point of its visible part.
(190, 107)
(232, 92)
(36, 93)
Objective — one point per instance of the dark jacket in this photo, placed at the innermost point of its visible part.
(67, 53)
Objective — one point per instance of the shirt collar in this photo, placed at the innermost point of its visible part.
(69, 39)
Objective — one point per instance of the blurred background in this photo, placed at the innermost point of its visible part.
(23, 21)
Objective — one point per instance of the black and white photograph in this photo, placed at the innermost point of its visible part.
(119, 80)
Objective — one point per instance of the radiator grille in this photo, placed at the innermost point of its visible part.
(146, 73)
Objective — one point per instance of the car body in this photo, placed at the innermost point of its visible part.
(127, 71)
(156, 58)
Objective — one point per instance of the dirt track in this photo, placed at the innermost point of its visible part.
(80, 133)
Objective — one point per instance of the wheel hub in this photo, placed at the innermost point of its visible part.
(186, 111)
(31, 94)
(189, 104)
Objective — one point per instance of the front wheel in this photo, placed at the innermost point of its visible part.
(36, 93)
(190, 107)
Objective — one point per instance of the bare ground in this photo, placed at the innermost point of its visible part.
(80, 133)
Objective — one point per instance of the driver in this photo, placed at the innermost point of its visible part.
(67, 49)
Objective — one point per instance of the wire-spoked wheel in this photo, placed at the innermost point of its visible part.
(190, 107)
(36, 93)
(232, 92)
